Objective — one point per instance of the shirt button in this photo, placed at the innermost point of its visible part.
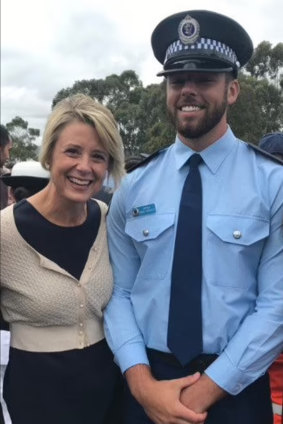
(81, 305)
(136, 212)
(79, 285)
(145, 233)
(80, 332)
(237, 234)
(81, 324)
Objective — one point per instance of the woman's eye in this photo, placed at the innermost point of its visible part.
(72, 152)
(99, 157)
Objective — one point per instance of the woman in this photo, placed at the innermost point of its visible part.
(25, 178)
(56, 277)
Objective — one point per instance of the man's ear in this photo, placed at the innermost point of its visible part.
(233, 91)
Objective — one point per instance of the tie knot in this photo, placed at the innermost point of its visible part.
(195, 160)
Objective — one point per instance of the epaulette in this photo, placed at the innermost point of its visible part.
(146, 160)
(264, 153)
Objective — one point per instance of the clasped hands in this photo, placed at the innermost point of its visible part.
(180, 401)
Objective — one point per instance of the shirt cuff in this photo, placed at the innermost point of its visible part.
(227, 376)
(130, 355)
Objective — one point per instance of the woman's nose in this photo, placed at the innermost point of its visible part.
(84, 163)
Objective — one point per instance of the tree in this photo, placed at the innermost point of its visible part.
(158, 130)
(141, 111)
(122, 95)
(267, 61)
(23, 137)
(259, 108)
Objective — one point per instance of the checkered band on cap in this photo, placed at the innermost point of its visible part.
(205, 46)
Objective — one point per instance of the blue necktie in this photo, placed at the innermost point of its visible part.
(185, 318)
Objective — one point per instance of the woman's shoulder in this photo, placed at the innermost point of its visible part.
(7, 222)
(7, 213)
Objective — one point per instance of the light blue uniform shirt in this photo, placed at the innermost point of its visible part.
(242, 284)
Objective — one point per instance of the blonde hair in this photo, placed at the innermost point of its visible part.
(80, 107)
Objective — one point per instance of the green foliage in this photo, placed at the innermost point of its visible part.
(122, 95)
(140, 112)
(158, 131)
(266, 62)
(23, 137)
(258, 110)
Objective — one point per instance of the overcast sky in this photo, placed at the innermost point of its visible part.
(47, 45)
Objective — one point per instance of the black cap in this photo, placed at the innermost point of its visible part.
(200, 41)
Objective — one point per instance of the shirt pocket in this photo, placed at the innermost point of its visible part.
(153, 237)
(233, 249)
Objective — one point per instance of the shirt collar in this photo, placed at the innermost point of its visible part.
(212, 156)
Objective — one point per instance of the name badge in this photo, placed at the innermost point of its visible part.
(144, 210)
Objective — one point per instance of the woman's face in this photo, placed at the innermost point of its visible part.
(79, 163)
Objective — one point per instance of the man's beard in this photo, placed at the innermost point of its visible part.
(205, 124)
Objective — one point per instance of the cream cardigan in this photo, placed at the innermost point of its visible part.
(48, 309)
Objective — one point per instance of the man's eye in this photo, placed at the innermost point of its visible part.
(177, 82)
(207, 80)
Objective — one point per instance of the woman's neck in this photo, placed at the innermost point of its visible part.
(58, 210)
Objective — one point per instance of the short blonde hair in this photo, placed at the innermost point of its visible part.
(80, 107)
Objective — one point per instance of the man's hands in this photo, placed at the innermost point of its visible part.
(161, 399)
(201, 395)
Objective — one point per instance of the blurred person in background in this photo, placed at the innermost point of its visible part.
(5, 147)
(273, 144)
(26, 178)
(56, 277)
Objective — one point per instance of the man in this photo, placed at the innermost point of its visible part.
(5, 147)
(198, 271)
(273, 144)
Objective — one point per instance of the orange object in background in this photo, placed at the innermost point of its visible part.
(276, 384)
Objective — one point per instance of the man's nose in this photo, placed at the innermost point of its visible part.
(189, 87)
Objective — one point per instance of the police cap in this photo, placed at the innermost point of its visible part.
(272, 143)
(201, 41)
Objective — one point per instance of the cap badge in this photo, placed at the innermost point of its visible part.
(188, 30)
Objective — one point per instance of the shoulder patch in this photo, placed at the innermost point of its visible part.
(146, 160)
(264, 153)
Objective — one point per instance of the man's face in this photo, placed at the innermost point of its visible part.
(5, 153)
(197, 102)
